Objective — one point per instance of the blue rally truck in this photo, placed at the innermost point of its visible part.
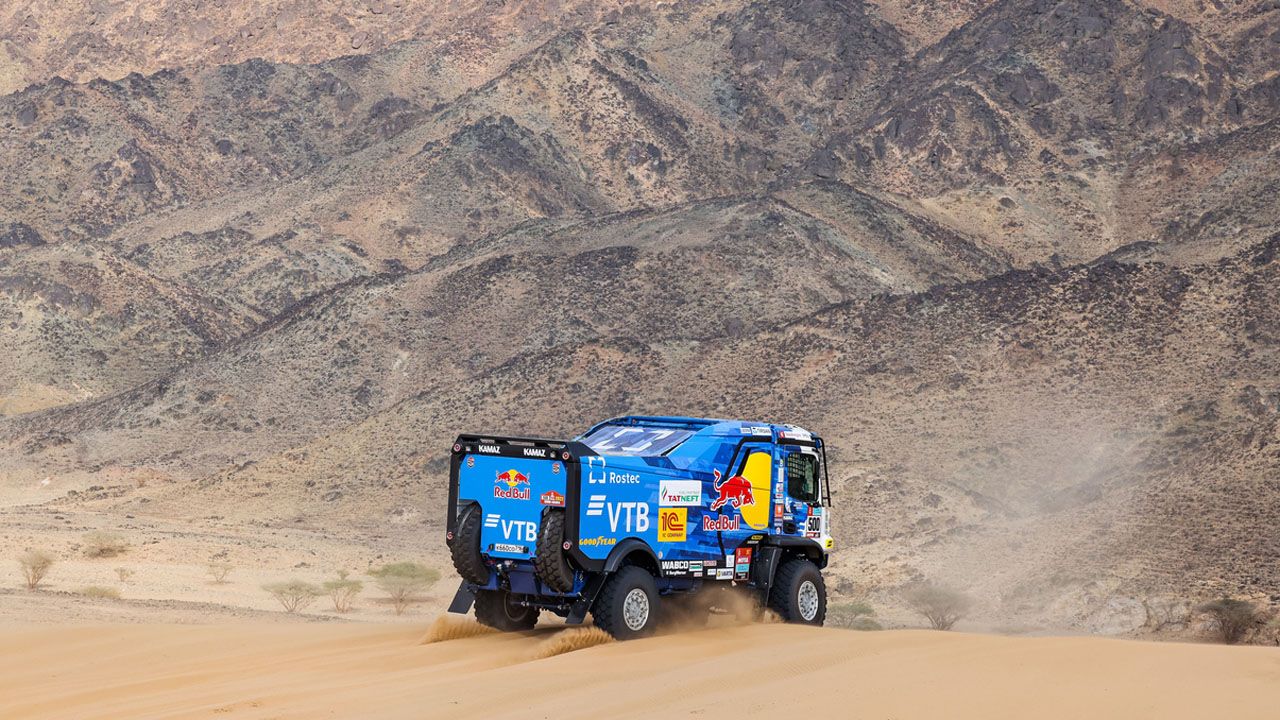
(637, 519)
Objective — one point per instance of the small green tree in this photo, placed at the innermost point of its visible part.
(293, 595)
(1231, 619)
(343, 591)
(35, 565)
(403, 581)
(855, 615)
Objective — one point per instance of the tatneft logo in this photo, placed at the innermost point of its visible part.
(680, 493)
(630, 516)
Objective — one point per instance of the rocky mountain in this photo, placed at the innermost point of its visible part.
(1016, 259)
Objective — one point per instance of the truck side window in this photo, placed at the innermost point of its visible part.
(802, 477)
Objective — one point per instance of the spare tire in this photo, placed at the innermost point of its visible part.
(551, 562)
(465, 547)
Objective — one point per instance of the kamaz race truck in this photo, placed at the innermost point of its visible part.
(638, 518)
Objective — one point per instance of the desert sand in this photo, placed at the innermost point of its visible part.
(385, 671)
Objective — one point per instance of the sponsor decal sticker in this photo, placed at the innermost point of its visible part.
(552, 498)
(741, 562)
(672, 524)
(555, 468)
(755, 430)
(471, 461)
(598, 541)
(724, 574)
(830, 543)
(695, 566)
(512, 479)
(735, 491)
(675, 567)
(490, 449)
(627, 516)
(680, 493)
(718, 523)
(535, 452)
(777, 511)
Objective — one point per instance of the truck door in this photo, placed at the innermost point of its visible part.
(802, 511)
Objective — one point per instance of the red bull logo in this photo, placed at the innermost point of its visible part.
(719, 523)
(735, 491)
(513, 479)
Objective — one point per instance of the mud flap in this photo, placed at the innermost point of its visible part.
(463, 599)
(579, 611)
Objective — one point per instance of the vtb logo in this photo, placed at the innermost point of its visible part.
(673, 524)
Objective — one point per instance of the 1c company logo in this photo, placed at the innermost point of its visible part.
(672, 524)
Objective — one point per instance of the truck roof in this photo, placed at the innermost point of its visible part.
(704, 430)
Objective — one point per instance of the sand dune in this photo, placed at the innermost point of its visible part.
(360, 671)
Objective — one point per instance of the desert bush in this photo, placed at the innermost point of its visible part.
(856, 615)
(99, 592)
(125, 574)
(293, 595)
(219, 571)
(100, 544)
(403, 581)
(1164, 612)
(1230, 619)
(941, 606)
(343, 591)
(35, 565)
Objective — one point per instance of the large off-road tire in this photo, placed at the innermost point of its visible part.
(495, 609)
(798, 593)
(465, 547)
(628, 606)
(551, 562)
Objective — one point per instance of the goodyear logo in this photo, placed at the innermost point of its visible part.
(673, 524)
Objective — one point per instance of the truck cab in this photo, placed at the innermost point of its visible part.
(639, 517)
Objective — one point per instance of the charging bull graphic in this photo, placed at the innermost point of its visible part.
(735, 491)
(747, 492)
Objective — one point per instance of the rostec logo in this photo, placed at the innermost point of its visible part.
(672, 524)
(513, 479)
(680, 493)
(595, 475)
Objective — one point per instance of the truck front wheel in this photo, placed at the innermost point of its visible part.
(627, 606)
(798, 593)
(496, 609)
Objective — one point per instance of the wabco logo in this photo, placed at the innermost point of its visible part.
(631, 516)
(512, 529)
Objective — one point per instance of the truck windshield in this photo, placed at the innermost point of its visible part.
(803, 473)
(636, 441)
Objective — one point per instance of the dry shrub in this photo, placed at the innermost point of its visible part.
(293, 595)
(1163, 613)
(343, 591)
(855, 615)
(35, 565)
(219, 571)
(567, 641)
(99, 592)
(403, 581)
(125, 574)
(941, 606)
(449, 627)
(1231, 620)
(100, 544)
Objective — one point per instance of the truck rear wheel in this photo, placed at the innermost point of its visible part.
(627, 606)
(798, 593)
(496, 609)
(465, 547)
(550, 562)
